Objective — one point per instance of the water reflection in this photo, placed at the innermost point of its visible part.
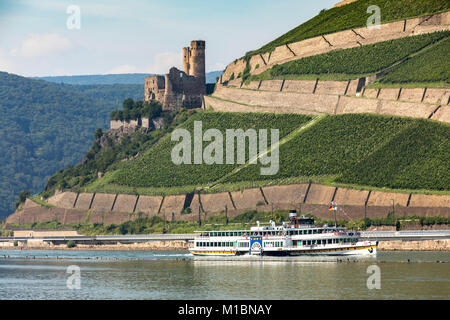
(175, 275)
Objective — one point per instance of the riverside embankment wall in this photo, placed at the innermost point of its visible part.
(330, 97)
(308, 198)
(339, 40)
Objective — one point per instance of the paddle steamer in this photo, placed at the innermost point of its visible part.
(298, 237)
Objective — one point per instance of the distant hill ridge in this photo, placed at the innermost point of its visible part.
(126, 78)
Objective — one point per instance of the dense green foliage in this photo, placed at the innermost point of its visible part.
(359, 60)
(22, 198)
(106, 156)
(71, 244)
(45, 127)
(367, 150)
(355, 15)
(109, 93)
(156, 169)
(133, 110)
(432, 65)
(417, 157)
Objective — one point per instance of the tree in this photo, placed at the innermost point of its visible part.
(98, 134)
(128, 103)
(22, 197)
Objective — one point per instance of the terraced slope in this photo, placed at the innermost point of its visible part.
(356, 149)
(367, 150)
(369, 59)
(355, 15)
(430, 68)
(156, 169)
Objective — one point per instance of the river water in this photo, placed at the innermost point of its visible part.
(41, 274)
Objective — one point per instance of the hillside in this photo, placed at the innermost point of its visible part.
(363, 118)
(428, 55)
(359, 150)
(355, 15)
(46, 127)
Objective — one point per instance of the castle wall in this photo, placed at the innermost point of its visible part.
(179, 89)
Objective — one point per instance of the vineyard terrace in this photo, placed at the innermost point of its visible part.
(258, 148)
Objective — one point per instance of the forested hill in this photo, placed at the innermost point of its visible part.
(44, 127)
(126, 78)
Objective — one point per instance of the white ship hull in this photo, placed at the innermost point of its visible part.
(364, 249)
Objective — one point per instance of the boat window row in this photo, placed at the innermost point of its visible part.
(273, 244)
(266, 233)
(215, 244)
(246, 233)
(307, 231)
(324, 241)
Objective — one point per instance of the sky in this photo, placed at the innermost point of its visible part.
(50, 38)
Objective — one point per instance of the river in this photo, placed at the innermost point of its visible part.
(41, 274)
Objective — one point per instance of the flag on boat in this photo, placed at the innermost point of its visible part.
(333, 207)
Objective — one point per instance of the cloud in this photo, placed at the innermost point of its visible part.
(41, 44)
(126, 68)
(163, 61)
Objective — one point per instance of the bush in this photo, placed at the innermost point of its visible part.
(71, 244)
(22, 198)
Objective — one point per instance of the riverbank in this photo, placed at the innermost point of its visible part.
(145, 246)
(425, 245)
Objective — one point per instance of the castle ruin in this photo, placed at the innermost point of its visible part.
(181, 89)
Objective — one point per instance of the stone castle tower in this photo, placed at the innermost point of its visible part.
(185, 88)
(194, 60)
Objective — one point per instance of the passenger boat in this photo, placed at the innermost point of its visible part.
(298, 237)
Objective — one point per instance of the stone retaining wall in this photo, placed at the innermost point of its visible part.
(84, 201)
(289, 101)
(314, 199)
(63, 199)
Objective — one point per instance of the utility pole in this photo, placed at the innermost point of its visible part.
(226, 214)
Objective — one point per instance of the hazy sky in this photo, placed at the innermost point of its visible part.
(137, 36)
